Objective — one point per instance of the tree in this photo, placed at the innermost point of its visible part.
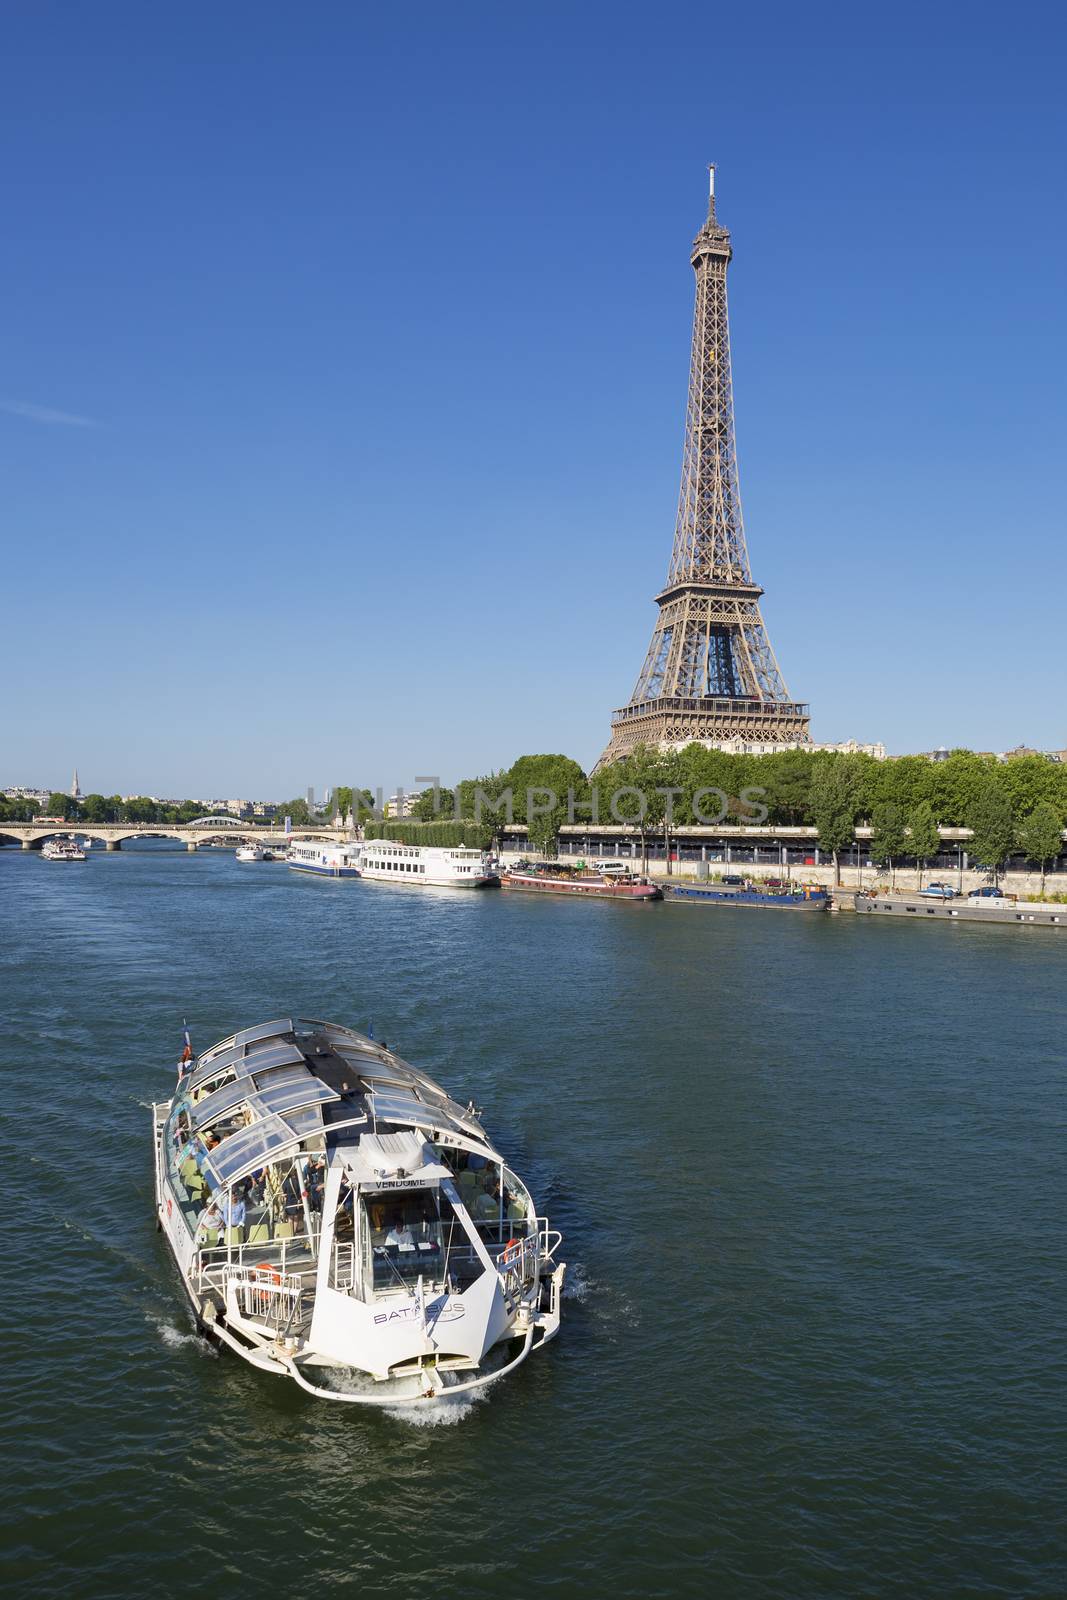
(991, 822)
(887, 836)
(924, 838)
(141, 808)
(957, 785)
(297, 810)
(96, 809)
(62, 805)
(434, 804)
(786, 777)
(1040, 837)
(342, 799)
(832, 805)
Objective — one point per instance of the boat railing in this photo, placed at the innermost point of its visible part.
(296, 1257)
(343, 1277)
(548, 1239)
(264, 1295)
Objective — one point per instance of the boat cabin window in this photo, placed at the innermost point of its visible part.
(404, 1237)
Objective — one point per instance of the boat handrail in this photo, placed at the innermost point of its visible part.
(265, 1293)
(550, 1239)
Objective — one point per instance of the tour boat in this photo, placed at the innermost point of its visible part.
(337, 1219)
(388, 861)
(561, 877)
(327, 860)
(250, 852)
(62, 850)
(805, 897)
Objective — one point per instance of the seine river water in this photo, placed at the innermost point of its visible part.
(810, 1171)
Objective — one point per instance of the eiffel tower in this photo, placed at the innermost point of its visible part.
(710, 674)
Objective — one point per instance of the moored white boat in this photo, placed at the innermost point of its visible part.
(250, 851)
(389, 861)
(337, 1219)
(325, 859)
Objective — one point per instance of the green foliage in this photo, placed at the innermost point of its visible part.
(471, 835)
(888, 839)
(343, 796)
(990, 819)
(298, 810)
(924, 840)
(18, 810)
(1040, 836)
(832, 805)
(435, 805)
(61, 805)
(887, 833)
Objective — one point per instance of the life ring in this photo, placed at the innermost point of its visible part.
(272, 1274)
(512, 1251)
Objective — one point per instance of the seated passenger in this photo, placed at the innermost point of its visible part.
(399, 1233)
(210, 1222)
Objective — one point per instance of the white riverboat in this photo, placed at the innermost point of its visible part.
(389, 861)
(62, 850)
(325, 859)
(250, 851)
(337, 1219)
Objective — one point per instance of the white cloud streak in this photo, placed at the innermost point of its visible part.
(45, 414)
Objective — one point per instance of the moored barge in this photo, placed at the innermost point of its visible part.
(558, 877)
(807, 898)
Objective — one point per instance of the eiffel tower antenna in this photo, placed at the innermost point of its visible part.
(710, 674)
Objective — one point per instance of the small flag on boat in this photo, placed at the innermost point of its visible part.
(187, 1047)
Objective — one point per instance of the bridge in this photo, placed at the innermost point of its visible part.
(112, 835)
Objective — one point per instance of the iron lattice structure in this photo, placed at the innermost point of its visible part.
(710, 673)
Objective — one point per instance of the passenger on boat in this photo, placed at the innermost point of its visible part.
(399, 1233)
(315, 1182)
(233, 1210)
(210, 1222)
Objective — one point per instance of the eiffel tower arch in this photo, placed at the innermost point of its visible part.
(710, 673)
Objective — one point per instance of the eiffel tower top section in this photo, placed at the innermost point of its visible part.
(709, 539)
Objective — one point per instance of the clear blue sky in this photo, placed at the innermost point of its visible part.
(344, 370)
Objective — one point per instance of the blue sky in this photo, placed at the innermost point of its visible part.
(343, 378)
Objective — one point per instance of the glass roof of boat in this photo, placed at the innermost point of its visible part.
(284, 1085)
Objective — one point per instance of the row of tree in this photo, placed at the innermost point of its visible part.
(101, 808)
(1013, 806)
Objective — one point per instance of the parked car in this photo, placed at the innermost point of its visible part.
(733, 880)
(939, 891)
(986, 892)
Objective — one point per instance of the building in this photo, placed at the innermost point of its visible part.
(709, 674)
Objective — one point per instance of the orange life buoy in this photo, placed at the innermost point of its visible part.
(265, 1266)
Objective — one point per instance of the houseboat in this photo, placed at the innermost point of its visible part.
(562, 877)
(337, 1219)
(783, 897)
(325, 859)
(389, 861)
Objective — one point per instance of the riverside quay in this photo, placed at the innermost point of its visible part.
(794, 850)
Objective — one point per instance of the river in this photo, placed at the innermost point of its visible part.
(810, 1173)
